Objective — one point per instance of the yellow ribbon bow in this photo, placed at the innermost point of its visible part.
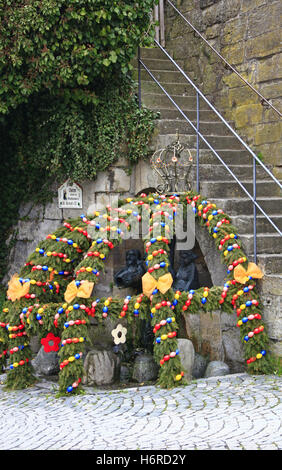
(242, 275)
(16, 289)
(83, 290)
(149, 283)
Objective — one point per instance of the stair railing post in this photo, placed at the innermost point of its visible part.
(198, 145)
(162, 22)
(139, 77)
(255, 209)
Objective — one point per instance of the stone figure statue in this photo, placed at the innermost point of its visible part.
(186, 277)
(131, 274)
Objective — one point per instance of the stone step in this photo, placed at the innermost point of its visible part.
(270, 263)
(231, 190)
(214, 128)
(174, 89)
(152, 53)
(185, 102)
(266, 243)
(244, 207)
(163, 76)
(245, 224)
(205, 115)
(218, 142)
(156, 64)
(220, 173)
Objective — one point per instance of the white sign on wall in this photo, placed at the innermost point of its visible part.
(70, 195)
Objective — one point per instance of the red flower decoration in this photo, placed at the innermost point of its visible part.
(51, 343)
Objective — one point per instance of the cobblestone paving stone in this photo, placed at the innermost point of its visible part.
(234, 412)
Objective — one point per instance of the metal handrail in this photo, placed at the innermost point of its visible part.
(220, 116)
(263, 99)
(200, 135)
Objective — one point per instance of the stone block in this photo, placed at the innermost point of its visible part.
(263, 46)
(248, 115)
(46, 363)
(145, 368)
(120, 181)
(101, 368)
(269, 69)
(216, 369)
(211, 336)
(234, 31)
(187, 356)
(267, 133)
(234, 53)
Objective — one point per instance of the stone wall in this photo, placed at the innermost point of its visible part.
(246, 33)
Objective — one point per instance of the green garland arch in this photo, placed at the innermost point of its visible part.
(71, 254)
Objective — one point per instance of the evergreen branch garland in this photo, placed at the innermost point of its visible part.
(76, 252)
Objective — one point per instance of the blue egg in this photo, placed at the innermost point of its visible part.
(44, 268)
(38, 317)
(153, 240)
(77, 356)
(162, 264)
(246, 289)
(61, 273)
(60, 310)
(41, 251)
(169, 320)
(230, 248)
(76, 306)
(248, 303)
(203, 300)
(136, 312)
(66, 325)
(263, 352)
(175, 302)
(158, 340)
(105, 309)
(155, 291)
(69, 389)
(77, 283)
(245, 319)
(177, 351)
(118, 230)
(24, 310)
(246, 338)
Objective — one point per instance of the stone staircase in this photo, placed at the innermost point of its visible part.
(216, 183)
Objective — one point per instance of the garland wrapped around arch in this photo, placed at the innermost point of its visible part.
(52, 293)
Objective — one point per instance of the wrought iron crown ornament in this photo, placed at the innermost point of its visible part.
(173, 165)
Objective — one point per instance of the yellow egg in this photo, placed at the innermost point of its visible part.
(153, 310)
(240, 292)
(40, 310)
(15, 364)
(88, 269)
(71, 358)
(259, 356)
(137, 305)
(210, 217)
(178, 377)
(163, 337)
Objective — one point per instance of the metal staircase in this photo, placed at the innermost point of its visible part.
(225, 168)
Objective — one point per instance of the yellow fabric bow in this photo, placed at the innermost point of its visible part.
(242, 275)
(16, 289)
(83, 290)
(149, 283)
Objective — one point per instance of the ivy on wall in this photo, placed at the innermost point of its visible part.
(68, 106)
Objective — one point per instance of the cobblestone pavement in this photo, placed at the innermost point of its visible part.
(232, 412)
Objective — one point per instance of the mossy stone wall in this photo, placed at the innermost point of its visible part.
(246, 33)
